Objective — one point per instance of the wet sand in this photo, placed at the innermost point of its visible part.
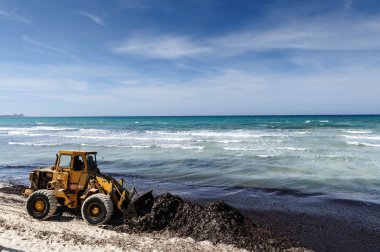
(314, 220)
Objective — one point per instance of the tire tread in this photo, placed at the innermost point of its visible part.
(107, 203)
(53, 202)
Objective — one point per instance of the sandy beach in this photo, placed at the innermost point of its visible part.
(18, 231)
(68, 232)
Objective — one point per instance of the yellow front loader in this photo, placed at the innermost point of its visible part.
(76, 182)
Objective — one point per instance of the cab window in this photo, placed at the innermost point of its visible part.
(65, 161)
(78, 163)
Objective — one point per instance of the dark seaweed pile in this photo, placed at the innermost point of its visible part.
(216, 222)
(13, 189)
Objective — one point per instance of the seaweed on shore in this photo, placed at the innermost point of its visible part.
(216, 222)
(13, 189)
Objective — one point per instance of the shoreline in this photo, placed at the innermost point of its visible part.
(313, 220)
(20, 231)
(318, 223)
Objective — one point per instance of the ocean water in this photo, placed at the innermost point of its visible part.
(333, 156)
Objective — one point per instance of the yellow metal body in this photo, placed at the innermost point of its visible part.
(66, 182)
(75, 177)
(73, 186)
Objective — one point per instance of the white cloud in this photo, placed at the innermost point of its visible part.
(11, 15)
(96, 19)
(113, 91)
(162, 47)
(241, 92)
(41, 85)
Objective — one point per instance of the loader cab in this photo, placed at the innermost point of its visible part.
(76, 161)
(71, 162)
(78, 165)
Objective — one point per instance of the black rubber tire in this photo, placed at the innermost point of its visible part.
(50, 204)
(103, 203)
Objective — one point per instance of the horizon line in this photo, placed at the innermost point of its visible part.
(242, 115)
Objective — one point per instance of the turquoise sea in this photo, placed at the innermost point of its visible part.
(330, 156)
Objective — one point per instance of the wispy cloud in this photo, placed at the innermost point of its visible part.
(319, 34)
(348, 3)
(40, 44)
(325, 33)
(163, 47)
(96, 19)
(11, 15)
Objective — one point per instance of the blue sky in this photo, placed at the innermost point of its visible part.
(199, 57)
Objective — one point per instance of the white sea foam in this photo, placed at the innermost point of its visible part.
(228, 141)
(263, 156)
(192, 147)
(357, 131)
(33, 131)
(103, 137)
(362, 144)
(11, 128)
(224, 134)
(291, 149)
(235, 149)
(301, 132)
(49, 128)
(241, 149)
(178, 146)
(140, 146)
(32, 144)
(371, 137)
(23, 133)
(92, 137)
(93, 131)
(4, 184)
(307, 121)
(324, 121)
(117, 146)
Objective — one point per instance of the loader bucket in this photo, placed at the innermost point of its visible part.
(143, 204)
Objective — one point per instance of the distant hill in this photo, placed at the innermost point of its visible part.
(14, 115)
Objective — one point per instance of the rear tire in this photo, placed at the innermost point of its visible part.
(42, 204)
(97, 209)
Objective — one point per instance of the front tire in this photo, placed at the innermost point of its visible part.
(97, 209)
(42, 204)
